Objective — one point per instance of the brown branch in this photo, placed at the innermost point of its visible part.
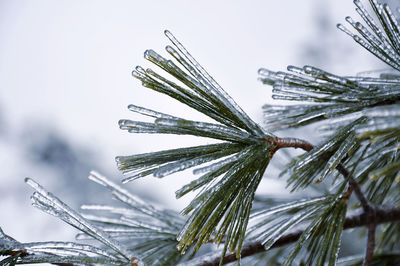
(305, 145)
(369, 252)
(382, 215)
(23, 253)
(350, 222)
(353, 186)
(289, 143)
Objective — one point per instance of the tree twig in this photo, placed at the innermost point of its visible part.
(369, 252)
(305, 145)
(382, 215)
(353, 186)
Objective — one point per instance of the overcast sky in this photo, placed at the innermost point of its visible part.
(70, 62)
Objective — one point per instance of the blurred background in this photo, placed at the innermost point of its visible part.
(65, 81)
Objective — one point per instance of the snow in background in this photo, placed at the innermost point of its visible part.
(65, 81)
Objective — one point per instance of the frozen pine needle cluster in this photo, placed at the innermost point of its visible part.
(353, 173)
(111, 253)
(221, 210)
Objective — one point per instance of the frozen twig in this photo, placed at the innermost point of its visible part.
(369, 252)
(305, 145)
(382, 215)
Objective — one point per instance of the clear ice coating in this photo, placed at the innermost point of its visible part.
(383, 44)
(125, 196)
(260, 218)
(202, 93)
(222, 95)
(183, 164)
(153, 56)
(345, 148)
(332, 96)
(68, 247)
(49, 203)
(8, 243)
(149, 112)
(219, 164)
(137, 205)
(323, 234)
(204, 129)
(277, 232)
(140, 226)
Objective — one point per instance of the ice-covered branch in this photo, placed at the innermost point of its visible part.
(305, 145)
(383, 215)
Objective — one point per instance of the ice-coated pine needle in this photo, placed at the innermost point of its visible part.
(51, 204)
(323, 235)
(235, 165)
(149, 231)
(269, 225)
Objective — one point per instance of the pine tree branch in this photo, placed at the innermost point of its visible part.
(382, 215)
(290, 143)
(305, 145)
(369, 253)
(353, 186)
(360, 195)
